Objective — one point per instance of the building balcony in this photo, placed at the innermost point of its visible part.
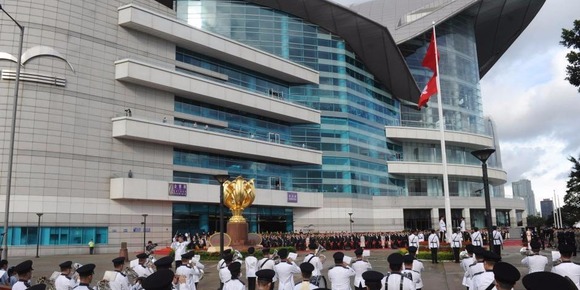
(207, 91)
(213, 45)
(426, 135)
(496, 176)
(158, 190)
(209, 141)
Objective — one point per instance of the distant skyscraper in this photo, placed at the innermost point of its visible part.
(547, 207)
(523, 189)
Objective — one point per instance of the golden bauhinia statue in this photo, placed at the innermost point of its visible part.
(238, 195)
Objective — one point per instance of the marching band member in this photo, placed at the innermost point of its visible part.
(163, 263)
(267, 263)
(360, 266)
(481, 280)
(306, 269)
(141, 269)
(285, 271)
(410, 273)
(566, 267)
(535, 262)
(185, 272)
(465, 263)
(394, 279)
(547, 280)
(121, 282)
(179, 246)
(251, 267)
(24, 271)
(340, 274)
(264, 279)
(476, 268)
(234, 283)
(198, 270)
(161, 280)
(86, 273)
(224, 273)
(417, 265)
(373, 279)
(506, 276)
(314, 260)
(222, 262)
(64, 281)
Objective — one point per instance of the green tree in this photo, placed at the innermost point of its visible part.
(536, 221)
(571, 39)
(571, 208)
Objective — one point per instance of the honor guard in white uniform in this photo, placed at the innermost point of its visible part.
(547, 280)
(395, 280)
(476, 239)
(251, 268)
(360, 266)
(121, 282)
(482, 280)
(465, 263)
(179, 246)
(160, 280)
(64, 281)
(314, 260)
(264, 279)
(497, 241)
(535, 262)
(565, 267)
(506, 276)
(267, 263)
(24, 271)
(373, 279)
(410, 273)
(86, 273)
(307, 269)
(141, 269)
(340, 274)
(456, 239)
(433, 241)
(417, 265)
(234, 283)
(413, 239)
(186, 272)
(285, 271)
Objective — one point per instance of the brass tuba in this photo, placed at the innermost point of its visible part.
(526, 252)
(275, 257)
(131, 275)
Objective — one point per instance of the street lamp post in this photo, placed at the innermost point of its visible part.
(483, 155)
(12, 133)
(221, 179)
(350, 221)
(144, 232)
(38, 233)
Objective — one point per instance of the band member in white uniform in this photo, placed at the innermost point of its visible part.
(24, 271)
(307, 270)
(198, 269)
(565, 267)
(506, 276)
(340, 274)
(251, 268)
(141, 269)
(179, 246)
(267, 263)
(465, 263)
(547, 280)
(417, 265)
(186, 272)
(314, 260)
(64, 281)
(410, 273)
(161, 280)
(121, 282)
(86, 273)
(264, 279)
(373, 279)
(222, 263)
(234, 283)
(285, 271)
(482, 280)
(394, 280)
(535, 262)
(360, 266)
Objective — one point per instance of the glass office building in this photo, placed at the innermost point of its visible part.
(136, 108)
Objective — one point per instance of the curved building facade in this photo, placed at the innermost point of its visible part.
(128, 111)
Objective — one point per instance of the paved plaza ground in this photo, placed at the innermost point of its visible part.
(446, 275)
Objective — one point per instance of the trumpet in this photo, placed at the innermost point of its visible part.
(238, 256)
(463, 255)
(275, 257)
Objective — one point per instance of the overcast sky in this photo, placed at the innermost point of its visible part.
(537, 112)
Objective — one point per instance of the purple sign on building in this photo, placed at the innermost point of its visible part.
(178, 189)
(292, 197)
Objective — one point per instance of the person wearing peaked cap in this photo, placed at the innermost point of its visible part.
(372, 279)
(186, 272)
(465, 265)
(160, 280)
(222, 262)
(477, 268)
(316, 261)
(456, 239)
(393, 278)
(434, 244)
(506, 276)
(264, 279)
(285, 271)
(234, 283)
(86, 273)
(360, 266)
(413, 239)
(24, 271)
(224, 273)
(417, 265)
(484, 279)
(179, 246)
(306, 269)
(565, 267)
(535, 262)
(340, 274)
(251, 267)
(141, 268)
(163, 263)
(547, 280)
(410, 273)
(63, 281)
(121, 281)
(267, 263)
(37, 287)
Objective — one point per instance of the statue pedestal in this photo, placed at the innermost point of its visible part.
(239, 233)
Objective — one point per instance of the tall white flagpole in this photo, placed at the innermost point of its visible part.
(554, 212)
(448, 220)
(560, 212)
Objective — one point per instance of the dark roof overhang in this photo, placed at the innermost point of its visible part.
(498, 24)
(370, 41)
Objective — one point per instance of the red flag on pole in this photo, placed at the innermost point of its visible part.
(430, 61)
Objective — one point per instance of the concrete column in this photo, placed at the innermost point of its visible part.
(493, 217)
(513, 220)
(435, 218)
(467, 215)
